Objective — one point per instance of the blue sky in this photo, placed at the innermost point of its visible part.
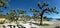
(26, 4)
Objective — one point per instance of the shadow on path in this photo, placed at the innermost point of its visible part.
(35, 23)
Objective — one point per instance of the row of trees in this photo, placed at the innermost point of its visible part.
(14, 14)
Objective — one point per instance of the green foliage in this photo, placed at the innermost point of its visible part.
(33, 10)
(47, 19)
(58, 19)
(3, 3)
(21, 11)
(26, 18)
(12, 15)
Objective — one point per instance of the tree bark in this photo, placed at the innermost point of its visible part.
(41, 21)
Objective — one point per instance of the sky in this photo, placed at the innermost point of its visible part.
(26, 4)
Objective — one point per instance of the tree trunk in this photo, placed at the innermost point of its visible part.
(41, 21)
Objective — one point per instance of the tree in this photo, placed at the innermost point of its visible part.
(47, 19)
(3, 4)
(58, 19)
(13, 15)
(27, 17)
(35, 17)
(21, 11)
(43, 10)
